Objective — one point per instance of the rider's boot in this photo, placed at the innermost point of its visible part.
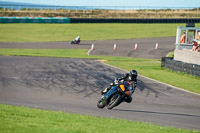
(128, 99)
(105, 90)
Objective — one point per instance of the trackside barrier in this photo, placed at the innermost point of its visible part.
(129, 20)
(180, 66)
(33, 20)
(93, 20)
(188, 56)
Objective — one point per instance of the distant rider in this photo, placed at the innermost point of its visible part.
(130, 83)
(77, 40)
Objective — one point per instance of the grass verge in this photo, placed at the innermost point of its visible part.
(171, 54)
(147, 67)
(67, 32)
(22, 119)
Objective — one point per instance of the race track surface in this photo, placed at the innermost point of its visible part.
(145, 47)
(74, 85)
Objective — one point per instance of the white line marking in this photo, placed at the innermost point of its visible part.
(88, 53)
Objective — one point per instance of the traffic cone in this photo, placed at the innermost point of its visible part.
(136, 46)
(115, 47)
(92, 47)
(156, 47)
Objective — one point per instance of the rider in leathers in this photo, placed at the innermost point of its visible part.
(131, 83)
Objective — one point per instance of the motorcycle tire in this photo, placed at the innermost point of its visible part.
(100, 104)
(114, 100)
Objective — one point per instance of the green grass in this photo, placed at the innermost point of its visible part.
(21, 119)
(152, 68)
(147, 67)
(73, 53)
(171, 54)
(15, 119)
(67, 32)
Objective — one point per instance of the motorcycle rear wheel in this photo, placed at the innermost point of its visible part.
(72, 42)
(114, 100)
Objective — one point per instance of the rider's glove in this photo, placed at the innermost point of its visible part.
(116, 81)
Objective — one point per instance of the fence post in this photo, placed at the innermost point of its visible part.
(163, 62)
(84, 10)
(4, 8)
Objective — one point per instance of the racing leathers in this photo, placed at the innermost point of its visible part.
(129, 83)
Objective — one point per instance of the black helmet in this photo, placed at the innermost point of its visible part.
(133, 74)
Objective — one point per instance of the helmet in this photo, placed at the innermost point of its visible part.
(133, 74)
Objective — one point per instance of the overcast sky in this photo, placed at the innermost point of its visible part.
(149, 3)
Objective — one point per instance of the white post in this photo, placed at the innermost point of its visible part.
(92, 47)
(115, 47)
(5, 8)
(156, 47)
(135, 46)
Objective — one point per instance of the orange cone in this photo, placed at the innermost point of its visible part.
(156, 47)
(115, 47)
(92, 47)
(136, 47)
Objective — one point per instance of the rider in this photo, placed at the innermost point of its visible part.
(77, 39)
(131, 79)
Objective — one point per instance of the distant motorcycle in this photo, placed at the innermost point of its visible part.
(114, 96)
(75, 42)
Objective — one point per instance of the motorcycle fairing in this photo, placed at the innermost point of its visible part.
(111, 92)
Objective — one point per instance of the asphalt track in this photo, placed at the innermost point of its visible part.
(74, 85)
(145, 49)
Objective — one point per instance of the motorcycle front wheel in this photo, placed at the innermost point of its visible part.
(100, 104)
(114, 100)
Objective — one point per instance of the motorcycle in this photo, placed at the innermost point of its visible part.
(75, 42)
(116, 95)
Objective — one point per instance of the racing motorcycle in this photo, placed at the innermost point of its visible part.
(75, 42)
(116, 95)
